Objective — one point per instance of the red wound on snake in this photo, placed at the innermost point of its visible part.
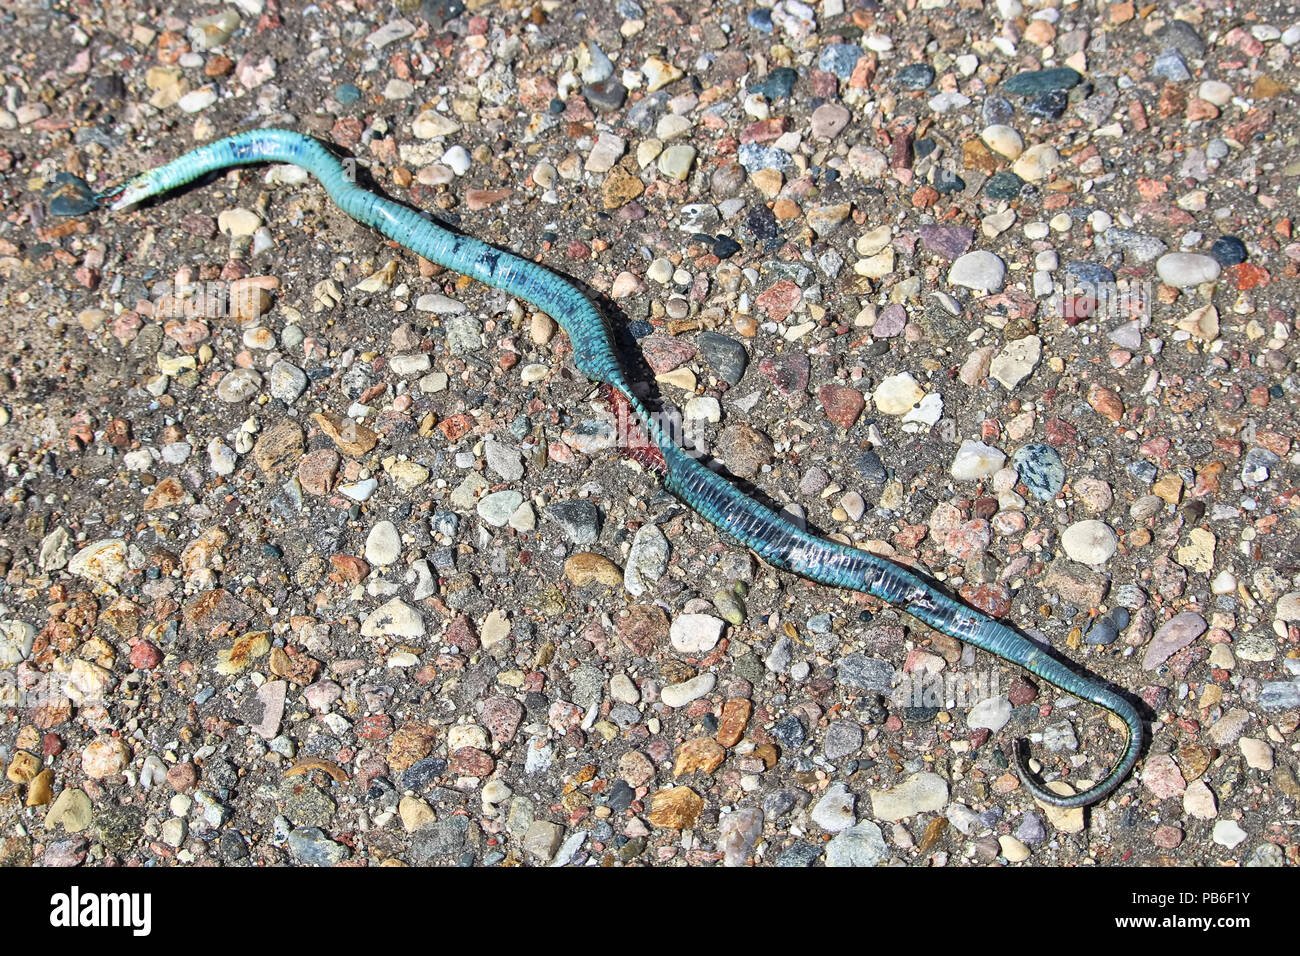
(633, 442)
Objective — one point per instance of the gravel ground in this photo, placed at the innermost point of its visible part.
(314, 553)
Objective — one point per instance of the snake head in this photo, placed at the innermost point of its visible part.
(126, 194)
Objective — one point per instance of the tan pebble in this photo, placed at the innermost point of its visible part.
(541, 328)
(39, 790)
(24, 767)
(105, 757)
(583, 569)
(677, 808)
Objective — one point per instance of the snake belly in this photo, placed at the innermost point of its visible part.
(774, 538)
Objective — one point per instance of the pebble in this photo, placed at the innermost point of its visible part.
(676, 160)
(897, 394)
(949, 242)
(70, 196)
(311, 847)
(102, 561)
(779, 658)
(580, 520)
(497, 508)
(997, 110)
(104, 757)
(841, 404)
(696, 633)
(1012, 849)
(1036, 163)
(1228, 833)
(647, 560)
(755, 157)
(1279, 695)
(1017, 361)
(981, 270)
(919, 793)
(1228, 251)
(778, 85)
(915, 76)
(1288, 607)
(383, 544)
(1003, 140)
(1199, 801)
(862, 845)
(239, 385)
(395, 618)
(843, 739)
(198, 100)
(1004, 184)
(1185, 270)
(840, 58)
(1089, 542)
(681, 694)
(738, 832)
(1034, 82)
(1171, 66)
(975, 460)
(72, 810)
(505, 460)
(238, 222)
(1216, 92)
(835, 810)
(744, 450)
(1049, 106)
(1258, 754)
(829, 120)
(865, 673)
(1031, 831)
(992, 713)
(1106, 629)
(286, 382)
(1040, 467)
(1175, 634)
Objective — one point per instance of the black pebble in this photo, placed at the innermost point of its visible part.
(108, 87)
(919, 714)
(997, 109)
(760, 222)
(70, 196)
(871, 468)
(1228, 250)
(724, 247)
(1003, 184)
(1049, 106)
(917, 76)
(946, 181)
(608, 95)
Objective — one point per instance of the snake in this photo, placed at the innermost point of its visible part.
(773, 537)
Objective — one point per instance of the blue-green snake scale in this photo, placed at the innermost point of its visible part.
(775, 539)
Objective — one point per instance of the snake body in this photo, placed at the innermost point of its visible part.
(775, 539)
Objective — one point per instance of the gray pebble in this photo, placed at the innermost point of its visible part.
(862, 845)
(1041, 469)
(287, 382)
(843, 738)
(580, 520)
